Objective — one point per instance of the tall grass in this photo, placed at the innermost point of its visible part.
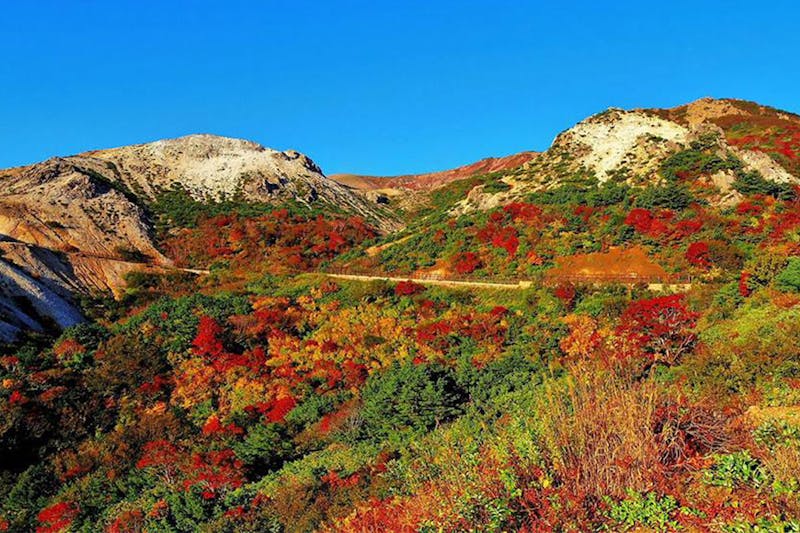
(596, 430)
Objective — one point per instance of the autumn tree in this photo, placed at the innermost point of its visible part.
(663, 327)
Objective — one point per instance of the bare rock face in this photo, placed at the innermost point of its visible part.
(78, 224)
(609, 141)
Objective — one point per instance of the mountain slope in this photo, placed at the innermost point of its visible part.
(433, 180)
(633, 146)
(93, 208)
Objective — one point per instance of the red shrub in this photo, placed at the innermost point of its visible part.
(408, 288)
(565, 293)
(744, 286)
(507, 239)
(57, 517)
(280, 408)
(128, 522)
(522, 211)
(640, 219)
(466, 263)
(662, 326)
(207, 342)
(748, 208)
(159, 453)
(697, 254)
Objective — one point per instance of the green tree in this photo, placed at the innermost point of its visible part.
(409, 397)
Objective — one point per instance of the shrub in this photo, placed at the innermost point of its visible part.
(737, 469)
(789, 278)
(645, 510)
(698, 254)
(409, 397)
(408, 288)
(662, 326)
(669, 196)
(754, 183)
(764, 268)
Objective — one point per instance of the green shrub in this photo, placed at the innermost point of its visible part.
(409, 397)
(669, 196)
(755, 183)
(737, 469)
(648, 510)
(264, 448)
(789, 278)
(496, 186)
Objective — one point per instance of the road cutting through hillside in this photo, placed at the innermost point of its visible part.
(441, 282)
(519, 285)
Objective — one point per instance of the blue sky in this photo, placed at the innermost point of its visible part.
(374, 87)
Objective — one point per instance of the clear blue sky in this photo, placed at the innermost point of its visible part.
(373, 87)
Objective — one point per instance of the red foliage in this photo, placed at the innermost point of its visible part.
(584, 212)
(522, 211)
(697, 254)
(68, 348)
(652, 225)
(207, 340)
(747, 207)
(662, 326)
(214, 471)
(685, 228)
(408, 288)
(498, 310)
(640, 219)
(156, 385)
(17, 398)
(280, 408)
(127, 522)
(277, 240)
(499, 236)
(158, 453)
(507, 239)
(57, 517)
(466, 263)
(332, 478)
(565, 293)
(744, 286)
(354, 373)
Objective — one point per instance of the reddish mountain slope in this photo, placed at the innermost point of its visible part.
(434, 180)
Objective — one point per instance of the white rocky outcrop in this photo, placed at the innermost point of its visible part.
(608, 141)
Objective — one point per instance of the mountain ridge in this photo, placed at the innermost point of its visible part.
(86, 224)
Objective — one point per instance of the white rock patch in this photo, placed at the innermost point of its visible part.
(610, 140)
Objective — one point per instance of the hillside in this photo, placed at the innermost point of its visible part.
(637, 148)
(616, 179)
(89, 219)
(598, 337)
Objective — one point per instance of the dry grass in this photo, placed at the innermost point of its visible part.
(597, 431)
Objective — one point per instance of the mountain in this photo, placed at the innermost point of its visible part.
(79, 224)
(697, 161)
(412, 190)
(632, 147)
(599, 337)
(433, 180)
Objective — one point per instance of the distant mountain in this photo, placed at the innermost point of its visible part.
(432, 180)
